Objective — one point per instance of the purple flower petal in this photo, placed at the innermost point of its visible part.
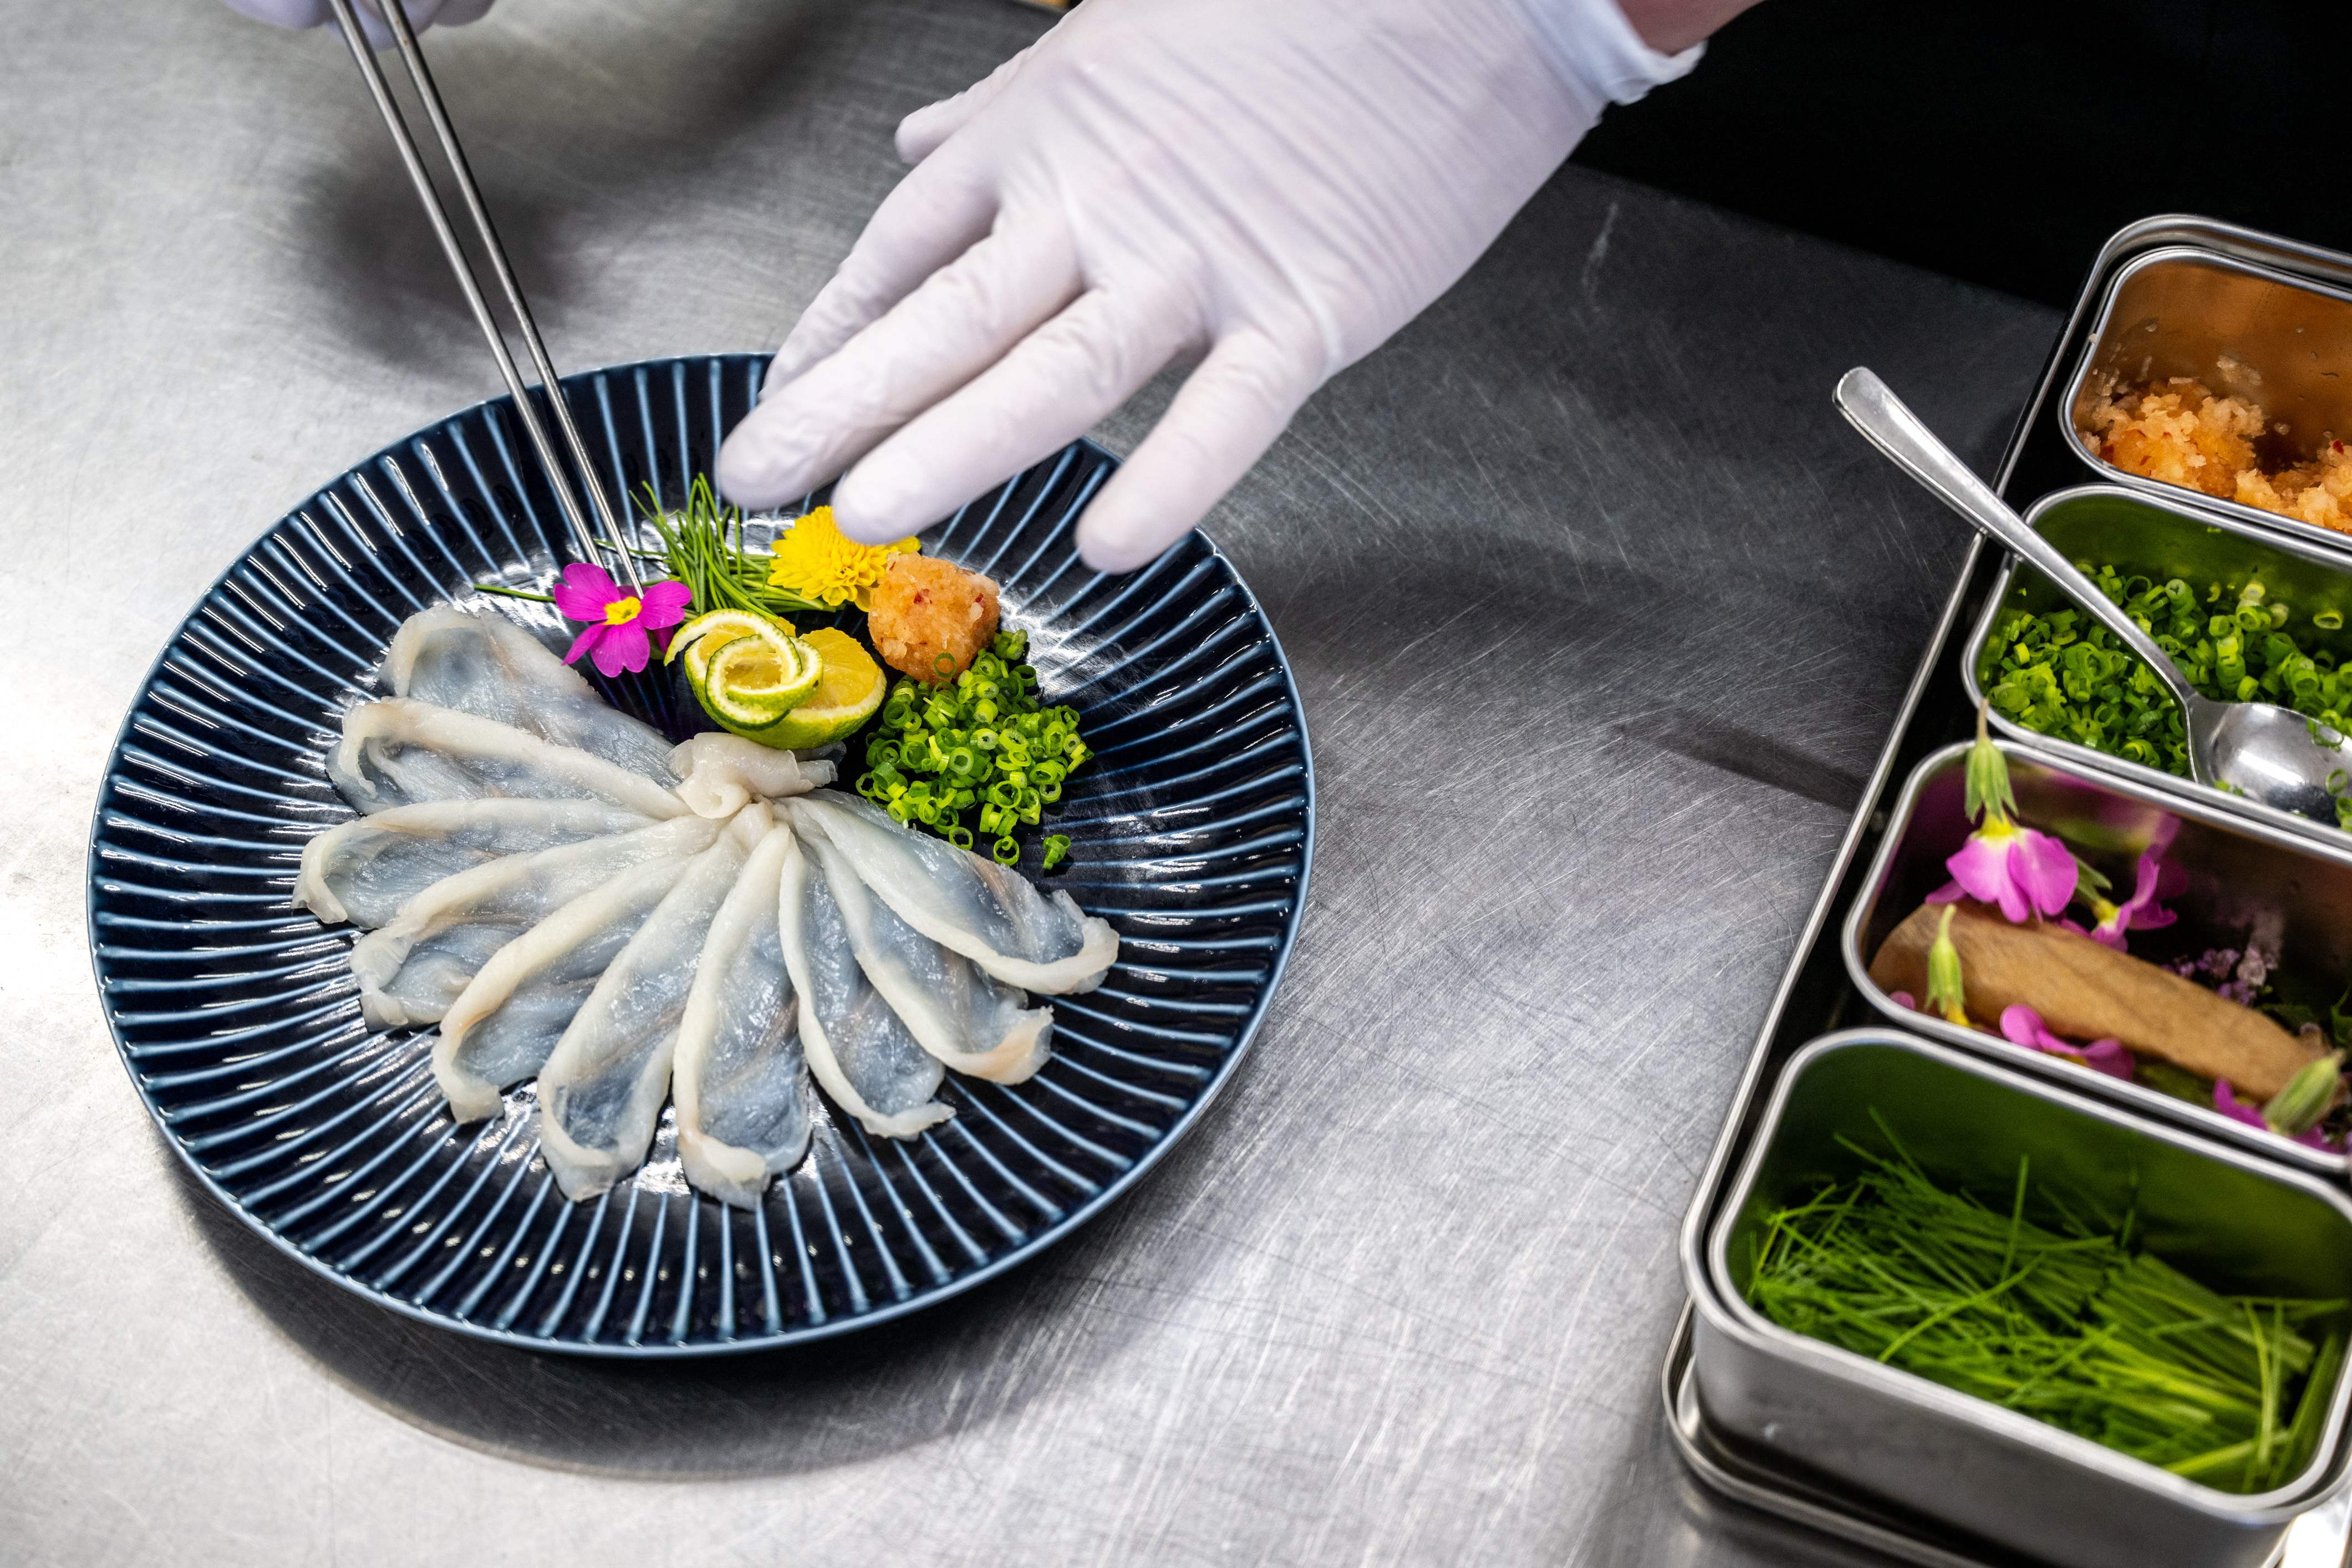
(1949, 893)
(2021, 1025)
(1981, 868)
(2139, 912)
(583, 592)
(2108, 1056)
(2046, 870)
(622, 647)
(587, 641)
(2236, 1110)
(1903, 999)
(664, 605)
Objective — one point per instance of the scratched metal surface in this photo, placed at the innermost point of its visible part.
(1599, 615)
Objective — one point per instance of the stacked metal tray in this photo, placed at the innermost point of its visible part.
(1890, 1461)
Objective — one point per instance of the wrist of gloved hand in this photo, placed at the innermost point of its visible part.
(422, 13)
(1597, 54)
(1275, 188)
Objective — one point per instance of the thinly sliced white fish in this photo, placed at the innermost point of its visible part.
(989, 913)
(401, 752)
(860, 1050)
(967, 1020)
(413, 969)
(501, 1028)
(364, 870)
(722, 774)
(740, 1078)
(601, 1092)
(487, 666)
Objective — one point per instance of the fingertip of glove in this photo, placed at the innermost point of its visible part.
(1115, 549)
(746, 474)
(875, 507)
(917, 137)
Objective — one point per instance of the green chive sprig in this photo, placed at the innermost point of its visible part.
(2072, 1326)
(703, 547)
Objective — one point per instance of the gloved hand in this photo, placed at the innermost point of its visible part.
(1277, 184)
(422, 13)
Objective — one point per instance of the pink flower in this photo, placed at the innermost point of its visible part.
(2025, 872)
(618, 623)
(2021, 1025)
(2237, 1110)
(2138, 913)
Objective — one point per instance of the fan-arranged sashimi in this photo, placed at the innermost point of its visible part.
(739, 1077)
(488, 666)
(861, 1051)
(719, 775)
(504, 1026)
(364, 870)
(949, 1004)
(990, 914)
(575, 900)
(412, 969)
(601, 1093)
(401, 752)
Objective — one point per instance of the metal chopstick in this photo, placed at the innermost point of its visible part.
(395, 17)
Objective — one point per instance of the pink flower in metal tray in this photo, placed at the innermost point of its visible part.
(2021, 1025)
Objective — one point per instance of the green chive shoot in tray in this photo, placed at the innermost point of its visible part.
(2074, 1326)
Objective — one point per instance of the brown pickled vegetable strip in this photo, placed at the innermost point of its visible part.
(2086, 992)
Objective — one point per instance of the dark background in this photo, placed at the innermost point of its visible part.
(2002, 144)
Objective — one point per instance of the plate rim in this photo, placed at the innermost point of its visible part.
(1079, 1216)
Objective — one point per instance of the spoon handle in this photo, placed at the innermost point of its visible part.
(1871, 407)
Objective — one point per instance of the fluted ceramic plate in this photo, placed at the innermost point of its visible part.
(239, 1019)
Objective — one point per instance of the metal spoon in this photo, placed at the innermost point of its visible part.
(2266, 752)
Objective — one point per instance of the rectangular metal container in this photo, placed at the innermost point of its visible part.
(1815, 994)
(2315, 1539)
(2242, 328)
(2239, 874)
(2041, 456)
(2159, 536)
(2239, 1224)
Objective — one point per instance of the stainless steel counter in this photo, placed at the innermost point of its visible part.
(1600, 615)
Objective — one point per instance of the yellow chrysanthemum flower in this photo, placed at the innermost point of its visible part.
(816, 560)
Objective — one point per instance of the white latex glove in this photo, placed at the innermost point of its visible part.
(1280, 184)
(422, 13)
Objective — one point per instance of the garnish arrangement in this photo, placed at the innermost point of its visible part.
(963, 747)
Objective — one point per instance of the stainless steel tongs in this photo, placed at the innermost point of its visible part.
(586, 538)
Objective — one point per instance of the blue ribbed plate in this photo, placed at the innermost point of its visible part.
(237, 1017)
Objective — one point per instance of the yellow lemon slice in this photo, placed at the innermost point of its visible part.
(700, 638)
(847, 694)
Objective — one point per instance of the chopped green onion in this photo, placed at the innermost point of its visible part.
(2062, 675)
(980, 744)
